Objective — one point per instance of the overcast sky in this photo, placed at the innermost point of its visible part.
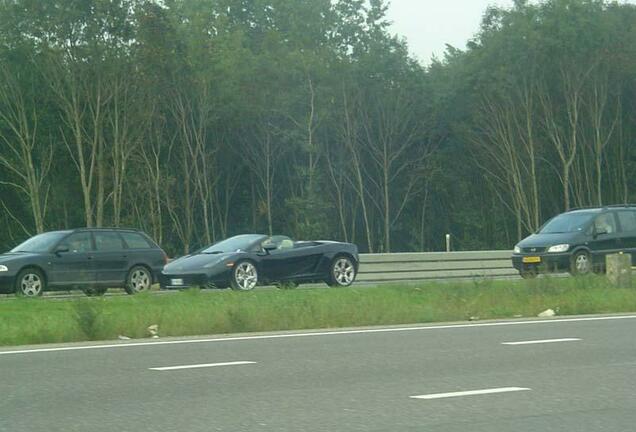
(429, 25)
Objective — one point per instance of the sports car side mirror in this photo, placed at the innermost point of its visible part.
(269, 247)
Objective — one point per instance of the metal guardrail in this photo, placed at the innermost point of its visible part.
(401, 267)
(435, 266)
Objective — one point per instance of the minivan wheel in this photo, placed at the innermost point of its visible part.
(30, 283)
(581, 263)
(139, 280)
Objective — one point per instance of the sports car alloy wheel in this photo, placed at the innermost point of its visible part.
(245, 276)
(343, 271)
(139, 280)
(30, 283)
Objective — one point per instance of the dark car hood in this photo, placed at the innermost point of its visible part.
(17, 256)
(547, 240)
(196, 262)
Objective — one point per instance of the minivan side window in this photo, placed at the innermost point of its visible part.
(627, 220)
(135, 240)
(605, 223)
(77, 243)
(108, 241)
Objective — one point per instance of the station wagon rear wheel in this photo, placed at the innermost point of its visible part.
(139, 280)
(581, 264)
(342, 272)
(30, 283)
(244, 276)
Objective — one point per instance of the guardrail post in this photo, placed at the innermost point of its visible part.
(448, 244)
(619, 269)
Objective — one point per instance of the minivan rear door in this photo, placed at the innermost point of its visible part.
(627, 222)
(606, 239)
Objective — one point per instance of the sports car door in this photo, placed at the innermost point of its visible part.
(291, 263)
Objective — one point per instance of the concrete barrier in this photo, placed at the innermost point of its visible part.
(435, 265)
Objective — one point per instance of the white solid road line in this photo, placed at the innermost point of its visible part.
(544, 341)
(320, 333)
(470, 393)
(198, 366)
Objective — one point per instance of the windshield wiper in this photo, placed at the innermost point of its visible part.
(213, 252)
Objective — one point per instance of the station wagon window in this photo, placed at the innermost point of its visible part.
(77, 243)
(135, 240)
(108, 241)
(627, 220)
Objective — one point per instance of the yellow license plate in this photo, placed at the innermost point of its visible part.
(531, 259)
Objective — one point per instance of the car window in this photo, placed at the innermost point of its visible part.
(135, 240)
(108, 241)
(567, 223)
(627, 220)
(77, 243)
(41, 242)
(605, 223)
(281, 242)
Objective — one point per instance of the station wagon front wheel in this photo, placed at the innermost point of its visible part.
(30, 283)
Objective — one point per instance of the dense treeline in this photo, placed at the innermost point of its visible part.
(199, 119)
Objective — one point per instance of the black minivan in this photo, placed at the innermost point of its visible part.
(92, 259)
(578, 241)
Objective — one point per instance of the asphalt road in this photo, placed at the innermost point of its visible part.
(566, 374)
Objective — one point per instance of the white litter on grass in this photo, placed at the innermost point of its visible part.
(547, 313)
(153, 331)
(121, 337)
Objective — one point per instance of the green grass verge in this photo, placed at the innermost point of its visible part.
(33, 321)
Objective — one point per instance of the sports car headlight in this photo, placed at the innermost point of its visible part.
(4, 268)
(559, 248)
(517, 250)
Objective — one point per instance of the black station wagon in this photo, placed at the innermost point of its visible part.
(578, 241)
(92, 259)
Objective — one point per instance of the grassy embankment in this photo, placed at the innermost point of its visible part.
(31, 321)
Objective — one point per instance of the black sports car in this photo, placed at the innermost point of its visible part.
(244, 261)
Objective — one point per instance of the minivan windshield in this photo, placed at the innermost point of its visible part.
(240, 242)
(41, 243)
(567, 223)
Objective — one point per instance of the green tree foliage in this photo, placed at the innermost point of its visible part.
(195, 120)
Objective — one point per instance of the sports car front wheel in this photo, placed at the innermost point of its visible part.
(342, 273)
(245, 276)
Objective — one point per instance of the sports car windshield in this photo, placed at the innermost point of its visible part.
(41, 242)
(567, 223)
(241, 242)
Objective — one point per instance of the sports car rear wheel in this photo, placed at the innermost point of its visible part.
(245, 276)
(342, 273)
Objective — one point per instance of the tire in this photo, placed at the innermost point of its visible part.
(244, 276)
(139, 280)
(30, 283)
(581, 264)
(342, 272)
(95, 292)
(529, 274)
